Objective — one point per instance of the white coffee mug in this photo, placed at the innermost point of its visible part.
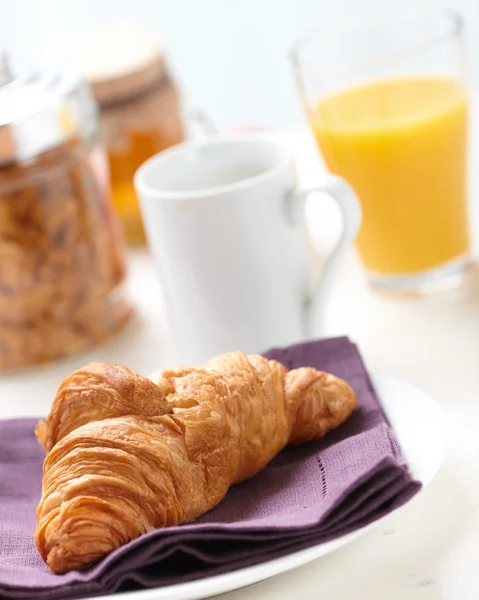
(225, 223)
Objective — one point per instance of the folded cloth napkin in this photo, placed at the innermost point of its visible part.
(309, 494)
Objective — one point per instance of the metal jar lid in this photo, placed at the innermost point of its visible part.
(42, 110)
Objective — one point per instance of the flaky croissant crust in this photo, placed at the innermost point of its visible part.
(128, 454)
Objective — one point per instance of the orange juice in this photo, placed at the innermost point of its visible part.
(402, 145)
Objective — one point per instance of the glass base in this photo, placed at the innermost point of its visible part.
(439, 279)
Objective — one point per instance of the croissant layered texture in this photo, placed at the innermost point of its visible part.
(128, 454)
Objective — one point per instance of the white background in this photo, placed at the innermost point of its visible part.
(230, 55)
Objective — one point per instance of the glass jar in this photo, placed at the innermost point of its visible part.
(140, 108)
(61, 252)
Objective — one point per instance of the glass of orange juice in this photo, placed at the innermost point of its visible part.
(388, 106)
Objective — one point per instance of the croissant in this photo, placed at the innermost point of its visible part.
(128, 454)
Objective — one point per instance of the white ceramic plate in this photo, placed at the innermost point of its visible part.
(420, 428)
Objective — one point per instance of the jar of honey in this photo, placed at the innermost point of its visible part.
(140, 108)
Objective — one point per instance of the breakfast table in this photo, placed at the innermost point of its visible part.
(428, 550)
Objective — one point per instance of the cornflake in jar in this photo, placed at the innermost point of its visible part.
(61, 255)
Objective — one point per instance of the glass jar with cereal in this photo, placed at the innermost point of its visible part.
(61, 252)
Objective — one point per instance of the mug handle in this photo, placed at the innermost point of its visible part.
(316, 295)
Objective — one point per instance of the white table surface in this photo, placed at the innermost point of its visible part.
(429, 550)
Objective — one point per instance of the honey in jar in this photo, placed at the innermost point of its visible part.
(140, 110)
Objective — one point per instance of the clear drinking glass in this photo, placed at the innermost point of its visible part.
(389, 109)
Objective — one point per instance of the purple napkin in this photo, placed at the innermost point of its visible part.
(307, 495)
